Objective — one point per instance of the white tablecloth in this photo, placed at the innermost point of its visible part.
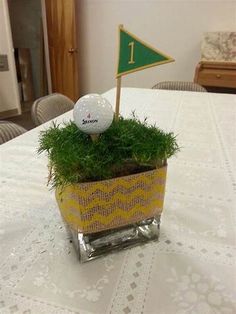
(190, 270)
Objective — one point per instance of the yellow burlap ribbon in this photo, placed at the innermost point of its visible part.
(96, 206)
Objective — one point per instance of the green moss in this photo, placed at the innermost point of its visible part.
(128, 146)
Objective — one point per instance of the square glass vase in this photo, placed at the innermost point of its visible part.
(114, 214)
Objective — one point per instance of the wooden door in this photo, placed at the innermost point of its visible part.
(62, 45)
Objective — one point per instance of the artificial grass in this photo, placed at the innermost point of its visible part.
(128, 146)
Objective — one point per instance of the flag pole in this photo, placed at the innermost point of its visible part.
(118, 86)
(118, 91)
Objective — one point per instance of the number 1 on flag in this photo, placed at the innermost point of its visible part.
(131, 44)
(136, 55)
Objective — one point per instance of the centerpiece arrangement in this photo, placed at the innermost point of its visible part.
(109, 176)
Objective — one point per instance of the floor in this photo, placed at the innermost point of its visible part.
(24, 119)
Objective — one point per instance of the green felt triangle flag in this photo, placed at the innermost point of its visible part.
(135, 55)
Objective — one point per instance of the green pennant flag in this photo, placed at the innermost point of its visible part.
(135, 55)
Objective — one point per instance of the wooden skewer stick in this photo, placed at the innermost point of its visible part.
(94, 137)
(118, 87)
(118, 91)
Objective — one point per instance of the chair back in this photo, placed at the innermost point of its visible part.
(9, 130)
(49, 107)
(179, 85)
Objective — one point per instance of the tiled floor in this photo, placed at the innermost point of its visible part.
(24, 119)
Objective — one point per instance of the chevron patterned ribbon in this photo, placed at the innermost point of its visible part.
(102, 205)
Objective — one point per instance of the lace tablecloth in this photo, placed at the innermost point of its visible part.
(190, 270)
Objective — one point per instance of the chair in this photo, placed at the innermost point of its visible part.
(178, 85)
(9, 130)
(50, 107)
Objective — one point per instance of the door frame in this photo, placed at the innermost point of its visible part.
(46, 48)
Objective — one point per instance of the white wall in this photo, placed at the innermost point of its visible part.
(174, 27)
(9, 95)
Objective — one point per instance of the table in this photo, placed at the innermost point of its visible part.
(190, 270)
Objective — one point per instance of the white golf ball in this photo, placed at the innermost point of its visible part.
(93, 114)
